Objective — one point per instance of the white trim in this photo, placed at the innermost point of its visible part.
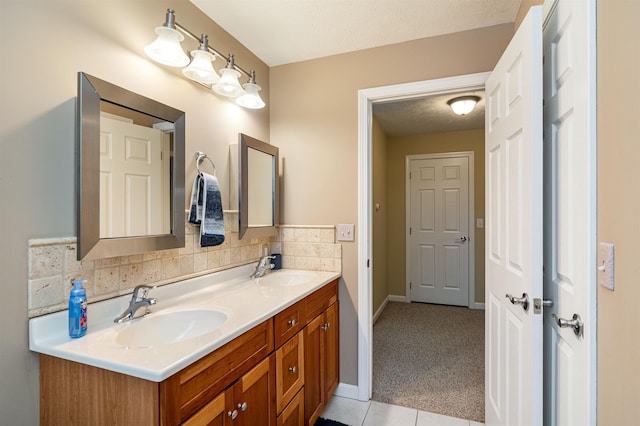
(476, 305)
(398, 298)
(346, 391)
(380, 309)
(471, 289)
(367, 97)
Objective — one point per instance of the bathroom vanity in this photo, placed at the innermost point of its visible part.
(273, 360)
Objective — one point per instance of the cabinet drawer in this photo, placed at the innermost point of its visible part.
(289, 370)
(288, 322)
(211, 414)
(320, 300)
(293, 414)
(190, 389)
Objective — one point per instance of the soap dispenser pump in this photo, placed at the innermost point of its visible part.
(78, 310)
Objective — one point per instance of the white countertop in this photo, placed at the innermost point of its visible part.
(245, 301)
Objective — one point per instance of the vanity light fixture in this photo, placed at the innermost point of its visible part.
(463, 105)
(251, 98)
(166, 49)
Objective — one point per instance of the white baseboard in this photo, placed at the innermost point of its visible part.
(396, 298)
(476, 305)
(346, 391)
(379, 311)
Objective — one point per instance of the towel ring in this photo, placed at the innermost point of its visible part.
(202, 156)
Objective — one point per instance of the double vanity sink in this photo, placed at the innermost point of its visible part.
(191, 319)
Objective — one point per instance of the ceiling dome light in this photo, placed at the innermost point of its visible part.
(463, 105)
(166, 49)
(251, 98)
(200, 69)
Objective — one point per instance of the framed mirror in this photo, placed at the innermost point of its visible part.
(130, 172)
(258, 187)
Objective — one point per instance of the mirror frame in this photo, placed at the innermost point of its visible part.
(91, 91)
(244, 143)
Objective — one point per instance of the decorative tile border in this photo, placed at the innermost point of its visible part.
(53, 265)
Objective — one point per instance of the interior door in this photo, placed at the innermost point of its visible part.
(513, 164)
(570, 205)
(439, 230)
(131, 180)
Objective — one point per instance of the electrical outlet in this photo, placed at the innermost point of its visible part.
(346, 231)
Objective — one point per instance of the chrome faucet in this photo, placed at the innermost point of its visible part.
(138, 300)
(263, 266)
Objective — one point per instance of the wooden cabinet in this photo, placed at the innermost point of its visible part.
(249, 401)
(321, 349)
(187, 391)
(281, 372)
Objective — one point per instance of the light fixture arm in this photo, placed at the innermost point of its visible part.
(200, 40)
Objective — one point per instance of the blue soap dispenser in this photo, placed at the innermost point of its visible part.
(78, 310)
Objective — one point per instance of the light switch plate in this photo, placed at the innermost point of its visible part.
(606, 265)
(346, 231)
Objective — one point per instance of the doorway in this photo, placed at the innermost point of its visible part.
(366, 99)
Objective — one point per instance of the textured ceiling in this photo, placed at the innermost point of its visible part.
(285, 31)
(427, 115)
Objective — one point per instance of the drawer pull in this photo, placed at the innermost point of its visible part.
(292, 322)
(293, 369)
(233, 414)
(243, 406)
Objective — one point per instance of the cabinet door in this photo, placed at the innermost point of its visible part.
(331, 351)
(313, 370)
(254, 396)
(212, 414)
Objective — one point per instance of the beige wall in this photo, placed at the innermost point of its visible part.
(380, 216)
(619, 210)
(43, 45)
(314, 116)
(397, 150)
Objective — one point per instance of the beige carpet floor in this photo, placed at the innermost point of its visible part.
(430, 357)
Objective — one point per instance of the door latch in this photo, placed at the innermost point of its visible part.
(538, 304)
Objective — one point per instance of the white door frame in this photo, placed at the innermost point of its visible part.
(471, 241)
(366, 98)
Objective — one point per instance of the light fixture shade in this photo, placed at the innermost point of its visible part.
(463, 105)
(201, 68)
(251, 98)
(229, 84)
(166, 49)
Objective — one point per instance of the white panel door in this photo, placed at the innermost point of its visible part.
(513, 164)
(439, 230)
(131, 180)
(570, 205)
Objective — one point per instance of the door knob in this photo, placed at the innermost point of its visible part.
(461, 240)
(523, 301)
(575, 322)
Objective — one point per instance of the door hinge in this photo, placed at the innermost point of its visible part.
(368, 262)
(409, 230)
(410, 285)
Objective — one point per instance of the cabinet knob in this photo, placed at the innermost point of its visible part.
(243, 406)
(233, 414)
(326, 326)
(293, 369)
(292, 322)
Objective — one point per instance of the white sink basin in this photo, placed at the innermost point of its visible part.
(171, 327)
(284, 278)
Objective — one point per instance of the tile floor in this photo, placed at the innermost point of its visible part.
(359, 413)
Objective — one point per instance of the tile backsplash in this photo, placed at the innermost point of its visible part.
(53, 265)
